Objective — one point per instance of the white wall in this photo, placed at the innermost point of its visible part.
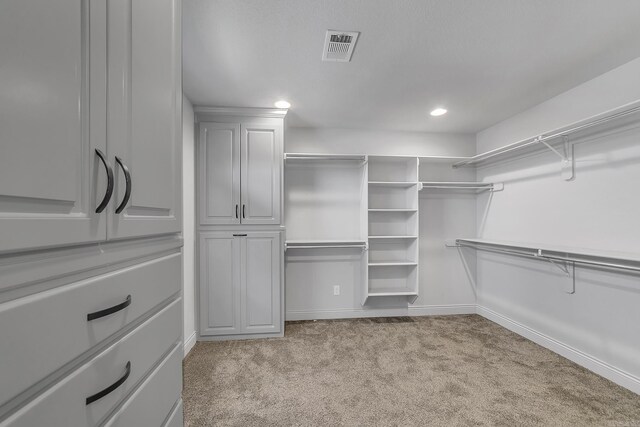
(310, 276)
(599, 325)
(355, 141)
(188, 227)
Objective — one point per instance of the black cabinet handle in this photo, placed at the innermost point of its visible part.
(99, 395)
(127, 192)
(109, 192)
(243, 206)
(236, 211)
(239, 235)
(110, 310)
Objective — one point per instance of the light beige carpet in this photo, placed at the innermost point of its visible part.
(428, 371)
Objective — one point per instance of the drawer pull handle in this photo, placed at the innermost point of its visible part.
(110, 310)
(127, 179)
(109, 191)
(239, 235)
(99, 395)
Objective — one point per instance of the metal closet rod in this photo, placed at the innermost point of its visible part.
(345, 157)
(544, 137)
(540, 254)
(457, 185)
(362, 246)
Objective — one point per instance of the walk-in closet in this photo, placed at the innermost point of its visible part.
(319, 213)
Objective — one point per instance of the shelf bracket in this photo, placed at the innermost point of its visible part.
(566, 158)
(567, 267)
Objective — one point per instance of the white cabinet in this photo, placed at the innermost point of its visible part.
(260, 168)
(240, 172)
(52, 119)
(144, 111)
(240, 283)
(219, 160)
(55, 113)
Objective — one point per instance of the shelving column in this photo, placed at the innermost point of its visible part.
(393, 227)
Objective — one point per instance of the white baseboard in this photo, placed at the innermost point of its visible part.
(189, 342)
(424, 310)
(589, 362)
(441, 310)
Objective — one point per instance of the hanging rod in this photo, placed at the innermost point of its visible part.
(541, 139)
(321, 244)
(311, 156)
(453, 185)
(632, 265)
(361, 246)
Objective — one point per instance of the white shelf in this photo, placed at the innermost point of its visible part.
(392, 237)
(392, 264)
(397, 184)
(540, 142)
(392, 292)
(556, 249)
(319, 242)
(324, 157)
(393, 210)
(325, 244)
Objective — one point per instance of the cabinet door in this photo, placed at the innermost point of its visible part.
(260, 281)
(261, 167)
(144, 116)
(219, 283)
(52, 118)
(219, 170)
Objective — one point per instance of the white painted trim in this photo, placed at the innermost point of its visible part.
(597, 366)
(241, 112)
(441, 310)
(240, 336)
(422, 310)
(189, 342)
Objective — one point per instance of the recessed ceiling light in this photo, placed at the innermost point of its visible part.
(282, 104)
(439, 112)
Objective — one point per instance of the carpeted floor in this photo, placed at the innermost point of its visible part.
(426, 371)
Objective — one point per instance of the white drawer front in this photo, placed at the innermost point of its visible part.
(42, 332)
(65, 405)
(176, 418)
(152, 403)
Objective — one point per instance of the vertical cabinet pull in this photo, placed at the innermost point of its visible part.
(109, 192)
(102, 393)
(127, 192)
(236, 211)
(110, 310)
(243, 211)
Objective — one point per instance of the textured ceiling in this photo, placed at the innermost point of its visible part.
(483, 60)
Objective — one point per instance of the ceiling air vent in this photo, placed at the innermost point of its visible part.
(338, 45)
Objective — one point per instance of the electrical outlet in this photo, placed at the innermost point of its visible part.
(336, 290)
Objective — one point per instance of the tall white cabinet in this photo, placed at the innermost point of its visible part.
(90, 195)
(240, 176)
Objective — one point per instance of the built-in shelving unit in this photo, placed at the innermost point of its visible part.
(393, 227)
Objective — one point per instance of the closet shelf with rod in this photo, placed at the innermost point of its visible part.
(601, 259)
(398, 184)
(324, 157)
(453, 185)
(549, 140)
(325, 244)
